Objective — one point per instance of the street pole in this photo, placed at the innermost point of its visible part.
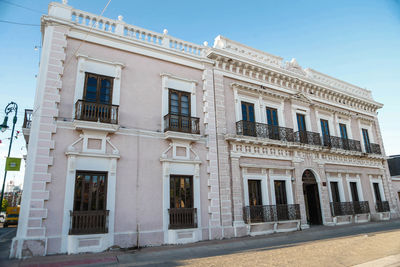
(9, 108)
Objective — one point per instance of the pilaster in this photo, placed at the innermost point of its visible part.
(214, 201)
(223, 157)
(31, 237)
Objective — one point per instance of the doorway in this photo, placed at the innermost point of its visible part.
(311, 198)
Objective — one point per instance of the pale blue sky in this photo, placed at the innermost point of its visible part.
(357, 41)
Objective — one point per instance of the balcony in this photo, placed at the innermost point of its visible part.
(26, 127)
(309, 138)
(349, 208)
(89, 111)
(382, 206)
(183, 124)
(182, 218)
(373, 149)
(271, 213)
(262, 130)
(89, 222)
(27, 119)
(341, 143)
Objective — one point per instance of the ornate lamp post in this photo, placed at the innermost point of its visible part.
(12, 106)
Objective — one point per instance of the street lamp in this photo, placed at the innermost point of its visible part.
(11, 107)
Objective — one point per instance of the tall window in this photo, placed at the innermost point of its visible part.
(343, 130)
(378, 197)
(354, 191)
(255, 197)
(248, 117)
(280, 192)
(179, 103)
(366, 140)
(272, 116)
(335, 192)
(181, 191)
(90, 191)
(98, 89)
(248, 111)
(325, 132)
(301, 122)
(272, 121)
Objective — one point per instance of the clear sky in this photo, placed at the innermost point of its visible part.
(356, 41)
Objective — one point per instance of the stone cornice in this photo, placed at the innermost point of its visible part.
(259, 90)
(270, 74)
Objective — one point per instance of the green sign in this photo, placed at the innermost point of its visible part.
(13, 164)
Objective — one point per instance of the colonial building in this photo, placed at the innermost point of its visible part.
(139, 138)
(394, 168)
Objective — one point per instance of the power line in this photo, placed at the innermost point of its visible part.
(18, 23)
(24, 7)
(84, 40)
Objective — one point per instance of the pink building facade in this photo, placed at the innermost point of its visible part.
(142, 139)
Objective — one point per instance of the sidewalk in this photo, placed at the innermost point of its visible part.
(174, 255)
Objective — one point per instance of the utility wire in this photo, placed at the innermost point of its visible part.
(84, 40)
(18, 23)
(20, 6)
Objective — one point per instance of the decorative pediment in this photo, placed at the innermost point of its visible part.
(302, 98)
(295, 67)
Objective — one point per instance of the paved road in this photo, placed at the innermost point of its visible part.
(6, 236)
(382, 237)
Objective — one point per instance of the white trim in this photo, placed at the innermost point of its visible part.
(370, 135)
(320, 115)
(339, 180)
(78, 161)
(380, 184)
(169, 81)
(248, 99)
(345, 121)
(264, 186)
(359, 187)
(175, 168)
(301, 110)
(288, 184)
(273, 104)
(98, 66)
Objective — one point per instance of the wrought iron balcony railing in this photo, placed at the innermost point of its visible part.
(88, 222)
(349, 208)
(382, 206)
(183, 124)
(373, 149)
(262, 130)
(345, 143)
(27, 119)
(89, 111)
(182, 218)
(305, 137)
(271, 213)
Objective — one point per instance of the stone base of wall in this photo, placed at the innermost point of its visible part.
(272, 227)
(26, 248)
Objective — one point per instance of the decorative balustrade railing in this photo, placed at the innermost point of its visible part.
(262, 130)
(349, 208)
(182, 218)
(89, 111)
(88, 222)
(27, 119)
(305, 137)
(179, 123)
(382, 206)
(119, 27)
(345, 143)
(271, 213)
(373, 149)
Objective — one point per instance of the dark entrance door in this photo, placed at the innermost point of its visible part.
(311, 197)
